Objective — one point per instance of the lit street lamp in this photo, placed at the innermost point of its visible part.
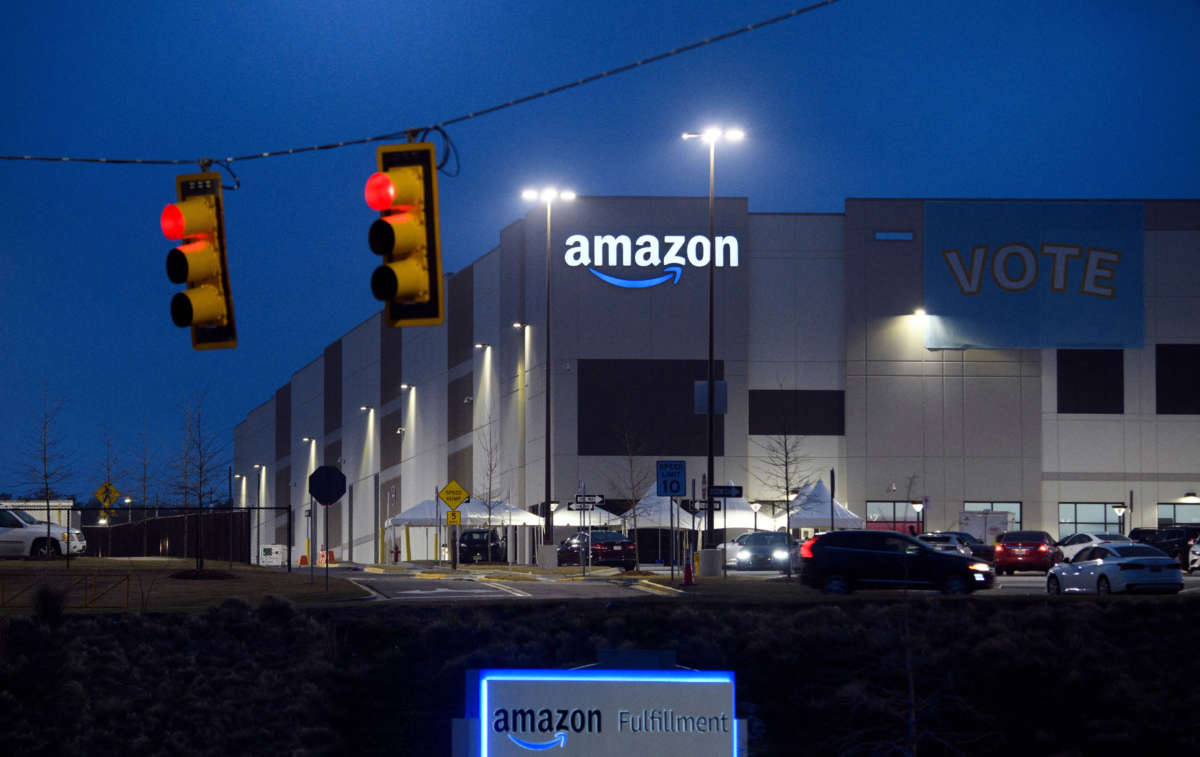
(711, 136)
(919, 506)
(547, 196)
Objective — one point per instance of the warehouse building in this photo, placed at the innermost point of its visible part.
(1034, 357)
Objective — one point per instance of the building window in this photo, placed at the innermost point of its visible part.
(1091, 381)
(1176, 367)
(644, 407)
(1087, 518)
(1170, 513)
(797, 412)
(997, 507)
(899, 516)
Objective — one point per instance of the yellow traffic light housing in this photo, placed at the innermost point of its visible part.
(198, 221)
(406, 236)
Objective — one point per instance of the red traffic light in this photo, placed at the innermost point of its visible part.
(172, 222)
(379, 192)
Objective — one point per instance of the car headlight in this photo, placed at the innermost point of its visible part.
(744, 554)
(780, 554)
(982, 567)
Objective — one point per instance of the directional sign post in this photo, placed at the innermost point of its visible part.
(583, 503)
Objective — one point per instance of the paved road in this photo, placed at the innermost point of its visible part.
(405, 588)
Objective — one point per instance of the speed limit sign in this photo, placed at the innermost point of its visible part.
(671, 476)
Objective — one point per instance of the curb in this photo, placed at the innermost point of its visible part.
(657, 588)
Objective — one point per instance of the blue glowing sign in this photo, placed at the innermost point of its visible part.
(596, 711)
(1033, 274)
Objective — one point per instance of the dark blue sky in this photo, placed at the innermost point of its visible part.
(937, 98)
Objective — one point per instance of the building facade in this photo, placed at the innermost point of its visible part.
(822, 350)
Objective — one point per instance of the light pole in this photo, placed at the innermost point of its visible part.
(919, 506)
(547, 196)
(755, 506)
(711, 136)
(258, 496)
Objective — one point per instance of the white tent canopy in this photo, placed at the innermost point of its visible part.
(810, 509)
(654, 511)
(736, 512)
(474, 514)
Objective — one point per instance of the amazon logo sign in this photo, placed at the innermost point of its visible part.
(647, 260)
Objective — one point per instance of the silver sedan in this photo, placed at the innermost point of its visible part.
(1116, 568)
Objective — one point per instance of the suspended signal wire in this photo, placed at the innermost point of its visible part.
(440, 126)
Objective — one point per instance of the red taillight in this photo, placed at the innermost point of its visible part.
(806, 548)
(1043, 548)
(999, 548)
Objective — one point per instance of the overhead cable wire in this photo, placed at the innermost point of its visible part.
(437, 127)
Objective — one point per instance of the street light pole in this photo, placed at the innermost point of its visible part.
(711, 135)
(548, 196)
(548, 533)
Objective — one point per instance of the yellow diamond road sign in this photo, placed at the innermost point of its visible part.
(453, 495)
(106, 494)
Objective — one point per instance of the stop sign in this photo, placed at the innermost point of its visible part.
(327, 484)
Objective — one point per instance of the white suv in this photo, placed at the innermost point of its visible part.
(22, 535)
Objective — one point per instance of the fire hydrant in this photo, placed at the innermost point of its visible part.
(396, 552)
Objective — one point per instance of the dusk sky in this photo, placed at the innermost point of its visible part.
(931, 98)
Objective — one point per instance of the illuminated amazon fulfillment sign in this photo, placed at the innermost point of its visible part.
(594, 711)
(1021, 274)
(671, 254)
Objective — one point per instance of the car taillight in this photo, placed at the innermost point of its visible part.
(999, 548)
(806, 548)
(1043, 548)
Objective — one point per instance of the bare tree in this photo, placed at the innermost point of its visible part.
(47, 467)
(203, 453)
(785, 468)
(490, 446)
(631, 477)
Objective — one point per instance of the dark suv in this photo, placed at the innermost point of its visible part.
(1176, 541)
(480, 545)
(838, 562)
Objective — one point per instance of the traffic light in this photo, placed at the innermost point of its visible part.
(406, 236)
(198, 221)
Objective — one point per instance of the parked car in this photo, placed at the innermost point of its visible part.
(1176, 540)
(607, 548)
(1026, 550)
(979, 549)
(838, 562)
(944, 541)
(1194, 557)
(1116, 568)
(767, 549)
(481, 545)
(1142, 535)
(1076, 543)
(22, 535)
(731, 548)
